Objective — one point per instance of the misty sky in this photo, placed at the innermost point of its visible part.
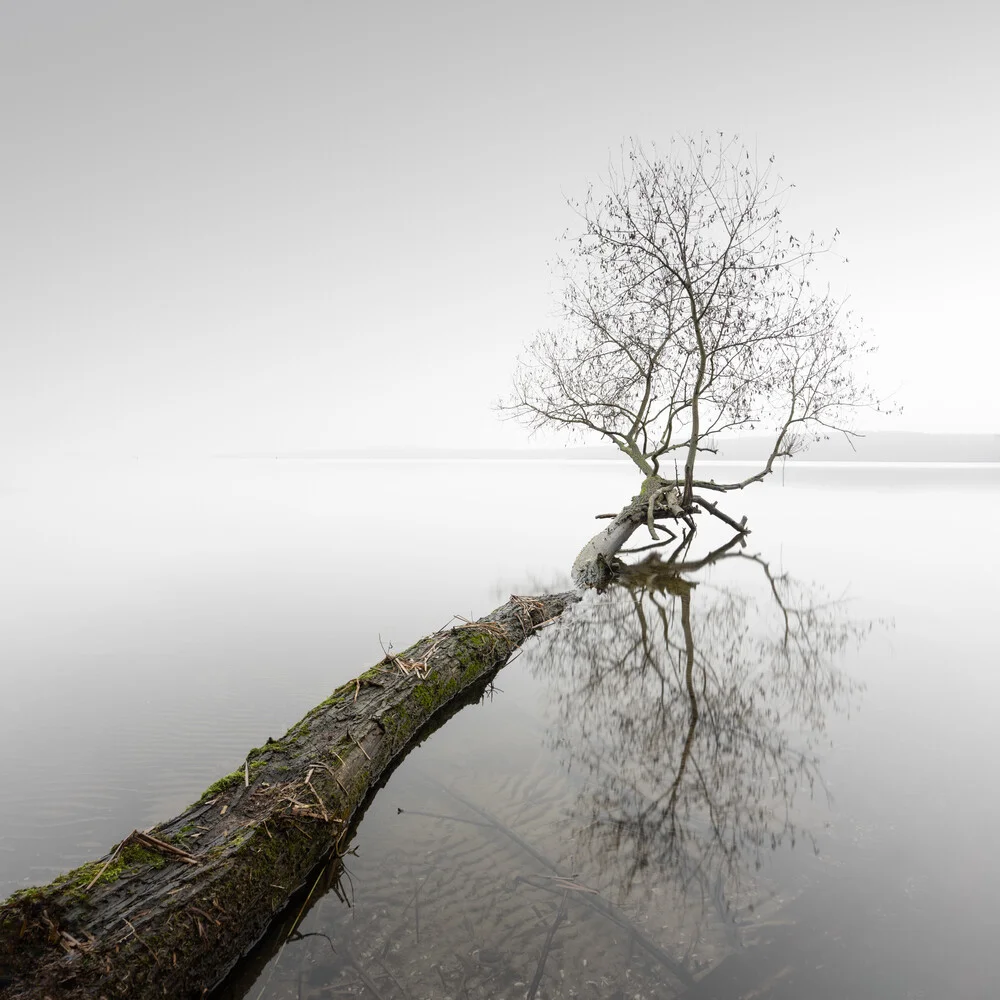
(243, 226)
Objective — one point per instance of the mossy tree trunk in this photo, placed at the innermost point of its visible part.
(170, 911)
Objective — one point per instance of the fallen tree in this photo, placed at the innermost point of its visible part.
(169, 911)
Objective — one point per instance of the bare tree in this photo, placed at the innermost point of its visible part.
(689, 313)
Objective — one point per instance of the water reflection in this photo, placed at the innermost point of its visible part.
(618, 848)
(695, 709)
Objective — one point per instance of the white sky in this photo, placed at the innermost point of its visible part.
(232, 226)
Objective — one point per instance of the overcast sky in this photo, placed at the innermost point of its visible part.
(237, 226)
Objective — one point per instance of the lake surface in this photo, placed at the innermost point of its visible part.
(772, 777)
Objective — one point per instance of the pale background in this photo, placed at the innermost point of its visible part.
(246, 226)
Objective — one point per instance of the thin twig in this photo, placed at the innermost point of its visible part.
(366, 979)
(560, 916)
(430, 815)
(385, 968)
(104, 867)
(143, 943)
(556, 884)
(646, 548)
(163, 847)
(322, 804)
(207, 916)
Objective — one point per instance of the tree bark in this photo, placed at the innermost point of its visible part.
(657, 499)
(592, 567)
(170, 911)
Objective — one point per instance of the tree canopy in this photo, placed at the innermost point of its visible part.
(690, 312)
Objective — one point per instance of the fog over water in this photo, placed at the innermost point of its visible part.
(244, 241)
(161, 618)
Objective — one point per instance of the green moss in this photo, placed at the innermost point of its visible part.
(341, 695)
(241, 835)
(33, 894)
(475, 650)
(181, 838)
(346, 692)
(426, 695)
(129, 861)
(227, 781)
(299, 729)
(650, 484)
(232, 779)
(337, 698)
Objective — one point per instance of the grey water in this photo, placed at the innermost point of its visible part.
(770, 777)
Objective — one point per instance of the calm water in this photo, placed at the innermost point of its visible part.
(810, 813)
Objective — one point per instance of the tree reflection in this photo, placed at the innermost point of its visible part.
(694, 706)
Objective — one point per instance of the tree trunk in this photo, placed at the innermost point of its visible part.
(593, 566)
(170, 911)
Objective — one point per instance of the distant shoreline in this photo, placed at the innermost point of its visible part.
(879, 447)
(797, 463)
